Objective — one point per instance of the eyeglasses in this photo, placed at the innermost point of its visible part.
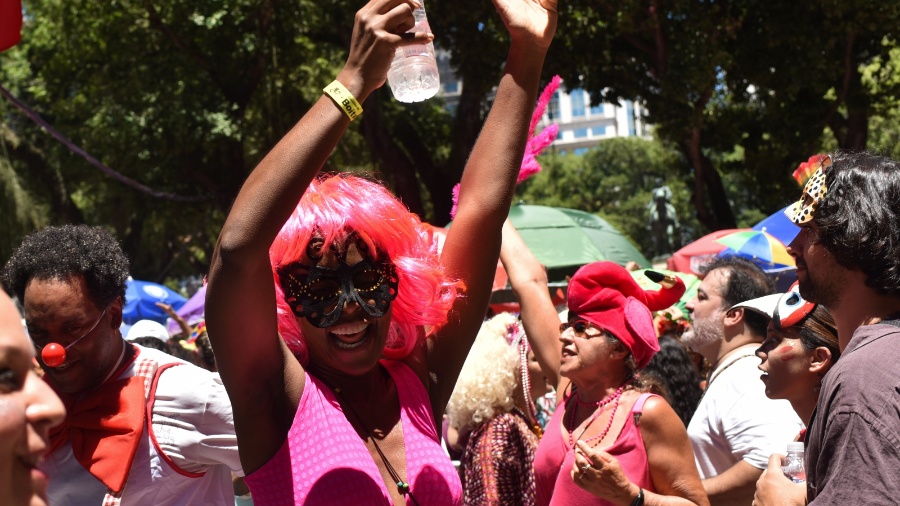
(580, 328)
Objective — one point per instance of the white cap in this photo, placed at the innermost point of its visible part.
(148, 328)
(786, 309)
(795, 446)
(765, 305)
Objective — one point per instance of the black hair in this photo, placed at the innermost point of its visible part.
(152, 342)
(818, 329)
(745, 281)
(673, 368)
(207, 359)
(858, 221)
(60, 253)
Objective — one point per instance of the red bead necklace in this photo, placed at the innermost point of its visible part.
(601, 406)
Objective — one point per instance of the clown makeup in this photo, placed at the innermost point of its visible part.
(319, 293)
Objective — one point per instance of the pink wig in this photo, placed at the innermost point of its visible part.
(335, 205)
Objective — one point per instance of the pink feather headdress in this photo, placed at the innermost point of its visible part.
(536, 143)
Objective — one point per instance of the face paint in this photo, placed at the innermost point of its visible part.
(784, 350)
(319, 293)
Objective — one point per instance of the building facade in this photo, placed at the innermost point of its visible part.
(582, 123)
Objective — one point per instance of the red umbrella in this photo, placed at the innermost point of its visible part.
(10, 23)
(689, 258)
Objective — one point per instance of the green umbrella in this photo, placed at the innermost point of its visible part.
(565, 239)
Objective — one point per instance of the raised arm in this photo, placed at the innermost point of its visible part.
(529, 283)
(183, 325)
(473, 242)
(262, 378)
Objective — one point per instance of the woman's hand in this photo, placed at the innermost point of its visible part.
(529, 21)
(379, 28)
(600, 474)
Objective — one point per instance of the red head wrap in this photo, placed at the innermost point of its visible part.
(605, 294)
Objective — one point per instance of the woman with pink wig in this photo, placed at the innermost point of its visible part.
(338, 331)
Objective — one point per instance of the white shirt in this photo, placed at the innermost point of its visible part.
(736, 421)
(193, 425)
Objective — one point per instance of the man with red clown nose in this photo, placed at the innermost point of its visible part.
(610, 441)
(141, 427)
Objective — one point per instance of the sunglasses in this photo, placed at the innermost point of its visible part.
(580, 328)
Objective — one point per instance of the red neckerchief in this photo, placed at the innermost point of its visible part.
(104, 427)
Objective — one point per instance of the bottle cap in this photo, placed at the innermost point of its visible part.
(795, 446)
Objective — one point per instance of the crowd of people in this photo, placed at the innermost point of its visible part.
(339, 343)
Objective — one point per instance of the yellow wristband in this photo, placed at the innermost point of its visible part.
(344, 99)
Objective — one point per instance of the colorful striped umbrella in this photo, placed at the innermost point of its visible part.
(758, 246)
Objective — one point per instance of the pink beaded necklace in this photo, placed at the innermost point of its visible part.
(601, 406)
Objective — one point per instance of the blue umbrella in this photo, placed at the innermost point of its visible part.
(141, 298)
(779, 226)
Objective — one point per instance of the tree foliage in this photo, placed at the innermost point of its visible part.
(760, 79)
(615, 180)
(185, 97)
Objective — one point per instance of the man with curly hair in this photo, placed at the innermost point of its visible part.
(848, 260)
(133, 434)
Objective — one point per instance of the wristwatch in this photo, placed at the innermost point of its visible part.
(639, 500)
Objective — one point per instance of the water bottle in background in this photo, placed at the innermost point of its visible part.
(413, 76)
(792, 465)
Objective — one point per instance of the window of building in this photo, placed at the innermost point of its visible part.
(580, 133)
(553, 107)
(629, 113)
(598, 131)
(451, 87)
(580, 151)
(578, 102)
(596, 109)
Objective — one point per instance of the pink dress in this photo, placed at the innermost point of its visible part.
(324, 462)
(554, 460)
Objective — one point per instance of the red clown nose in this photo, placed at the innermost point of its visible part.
(53, 355)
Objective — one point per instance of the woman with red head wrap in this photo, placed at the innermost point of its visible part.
(608, 442)
(338, 332)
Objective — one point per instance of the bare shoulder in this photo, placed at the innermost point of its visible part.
(658, 418)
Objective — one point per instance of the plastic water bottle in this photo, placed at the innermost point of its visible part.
(792, 465)
(413, 76)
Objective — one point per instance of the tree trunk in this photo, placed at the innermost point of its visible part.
(394, 160)
(708, 183)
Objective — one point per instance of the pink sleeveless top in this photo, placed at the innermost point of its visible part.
(554, 460)
(324, 462)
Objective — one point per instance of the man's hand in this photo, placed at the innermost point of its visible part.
(776, 489)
